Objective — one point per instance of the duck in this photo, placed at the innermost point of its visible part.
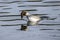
(32, 19)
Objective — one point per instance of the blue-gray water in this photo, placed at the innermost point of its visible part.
(10, 20)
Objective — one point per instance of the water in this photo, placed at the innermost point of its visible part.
(10, 20)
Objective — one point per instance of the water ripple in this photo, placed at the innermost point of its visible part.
(4, 12)
(6, 8)
(38, 5)
(30, 10)
(52, 2)
(46, 29)
(12, 20)
(3, 6)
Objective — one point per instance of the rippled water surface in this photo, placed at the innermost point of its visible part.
(10, 20)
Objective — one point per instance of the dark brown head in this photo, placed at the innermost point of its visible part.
(23, 13)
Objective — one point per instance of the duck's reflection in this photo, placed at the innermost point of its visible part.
(23, 27)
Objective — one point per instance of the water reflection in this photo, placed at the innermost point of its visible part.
(35, 0)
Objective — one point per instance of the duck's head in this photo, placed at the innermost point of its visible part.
(24, 13)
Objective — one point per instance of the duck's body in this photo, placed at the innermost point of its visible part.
(33, 20)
